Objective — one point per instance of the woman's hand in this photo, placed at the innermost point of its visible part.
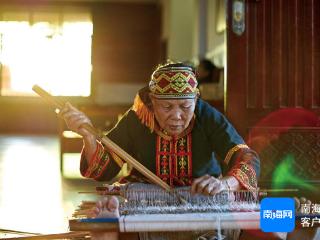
(106, 208)
(208, 185)
(75, 119)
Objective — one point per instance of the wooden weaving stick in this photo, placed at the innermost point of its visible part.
(69, 235)
(10, 231)
(106, 141)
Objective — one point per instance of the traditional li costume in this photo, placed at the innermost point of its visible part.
(209, 145)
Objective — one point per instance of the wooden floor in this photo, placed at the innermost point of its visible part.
(33, 195)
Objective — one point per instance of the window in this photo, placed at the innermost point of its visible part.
(48, 47)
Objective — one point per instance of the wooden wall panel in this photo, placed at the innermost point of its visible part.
(312, 54)
(252, 40)
(283, 49)
(276, 55)
(126, 42)
(267, 80)
(275, 63)
(273, 84)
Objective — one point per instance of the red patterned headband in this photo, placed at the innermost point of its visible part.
(174, 82)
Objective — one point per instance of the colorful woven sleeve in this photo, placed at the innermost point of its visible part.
(244, 166)
(97, 164)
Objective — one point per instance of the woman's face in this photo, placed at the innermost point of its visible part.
(173, 115)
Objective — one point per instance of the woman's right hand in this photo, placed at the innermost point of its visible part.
(75, 119)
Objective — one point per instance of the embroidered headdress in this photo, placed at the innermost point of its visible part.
(169, 81)
(174, 81)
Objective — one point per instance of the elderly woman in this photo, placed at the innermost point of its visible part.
(175, 134)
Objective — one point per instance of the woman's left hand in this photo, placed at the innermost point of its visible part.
(108, 207)
(208, 185)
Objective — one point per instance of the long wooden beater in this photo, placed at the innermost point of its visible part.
(107, 142)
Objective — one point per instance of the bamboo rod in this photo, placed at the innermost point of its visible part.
(106, 141)
(69, 235)
(10, 231)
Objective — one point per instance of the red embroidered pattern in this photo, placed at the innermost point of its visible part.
(245, 175)
(243, 171)
(174, 160)
(98, 163)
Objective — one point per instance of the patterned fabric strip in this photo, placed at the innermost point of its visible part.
(174, 160)
(145, 115)
(98, 163)
(246, 175)
(243, 169)
(232, 151)
(174, 83)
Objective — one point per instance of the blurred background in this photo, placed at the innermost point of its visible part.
(257, 62)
